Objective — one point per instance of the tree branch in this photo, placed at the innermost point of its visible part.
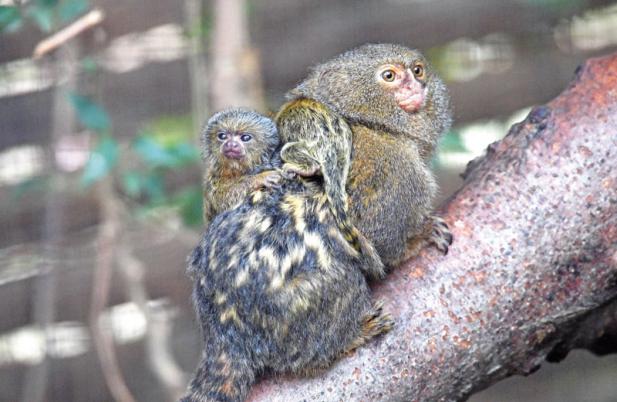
(532, 270)
(106, 255)
(92, 18)
(44, 297)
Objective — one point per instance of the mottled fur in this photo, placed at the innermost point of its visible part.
(228, 181)
(278, 289)
(390, 184)
(318, 140)
(278, 286)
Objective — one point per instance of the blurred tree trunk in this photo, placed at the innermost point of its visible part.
(236, 75)
(193, 10)
(102, 336)
(531, 274)
(44, 295)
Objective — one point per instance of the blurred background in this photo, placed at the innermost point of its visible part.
(100, 196)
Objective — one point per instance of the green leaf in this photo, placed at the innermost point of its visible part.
(90, 114)
(170, 130)
(10, 19)
(132, 182)
(102, 160)
(43, 17)
(190, 202)
(71, 9)
(153, 153)
(154, 188)
(185, 153)
(89, 65)
(156, 154)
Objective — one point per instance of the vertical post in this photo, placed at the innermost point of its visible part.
(193, 14)
(236, 76)
(43, 299)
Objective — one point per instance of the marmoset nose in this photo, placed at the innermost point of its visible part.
(231, 145)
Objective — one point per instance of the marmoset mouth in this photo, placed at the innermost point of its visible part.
(410, 96)
(412, 103)
(234, 154)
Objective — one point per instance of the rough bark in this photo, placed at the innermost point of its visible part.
(532, 271)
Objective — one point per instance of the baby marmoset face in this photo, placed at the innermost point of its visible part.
(238, 139)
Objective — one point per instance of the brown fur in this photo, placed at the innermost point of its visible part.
(278, 288)
(390, 184)
(228, 181)
(318, 141)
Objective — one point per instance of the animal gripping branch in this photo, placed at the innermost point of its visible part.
(532, 271)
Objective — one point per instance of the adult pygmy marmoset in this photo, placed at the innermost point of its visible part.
(397, 108)
(278, 285)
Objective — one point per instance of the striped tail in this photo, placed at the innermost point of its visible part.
(315, 136)
(334, 187)
(337, 200)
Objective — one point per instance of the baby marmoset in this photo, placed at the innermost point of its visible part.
(278, 287)
(238, 145)
(397, 108)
